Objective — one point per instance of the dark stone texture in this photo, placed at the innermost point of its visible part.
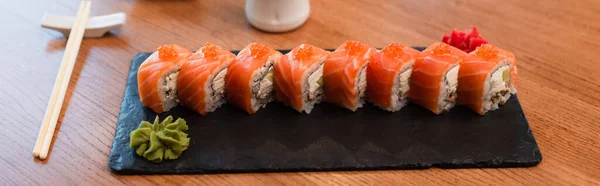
(278, 139)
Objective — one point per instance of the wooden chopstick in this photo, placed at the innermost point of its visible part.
(63, 77)
(55, 90)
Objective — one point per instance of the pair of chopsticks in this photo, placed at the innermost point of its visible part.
(44, 139)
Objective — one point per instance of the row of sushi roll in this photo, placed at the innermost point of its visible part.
(437, 78)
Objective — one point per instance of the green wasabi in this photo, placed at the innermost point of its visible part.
(506, 75)
(160, 140)
(320, 81)
(270, 74)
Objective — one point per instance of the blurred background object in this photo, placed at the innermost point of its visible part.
(96, 27)
(277, 15)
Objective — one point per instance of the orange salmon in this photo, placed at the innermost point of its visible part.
(486, 78)
(434, 77)
(297, 77)
(201, 80)
(388, 76)
(156, 75)
(344, 75)
(249, 80)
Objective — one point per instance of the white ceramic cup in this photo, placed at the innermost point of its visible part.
(277, 15)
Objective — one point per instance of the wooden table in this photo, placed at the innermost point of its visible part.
(556, 44)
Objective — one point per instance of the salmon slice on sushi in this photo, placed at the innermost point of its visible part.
(201, 80)
(299, 77)
(388, 76)
(157, 77)
(345, 75)
(249, 80)
(487, 78)
(434, 78)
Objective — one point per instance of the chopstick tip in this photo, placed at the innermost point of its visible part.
(43, 156)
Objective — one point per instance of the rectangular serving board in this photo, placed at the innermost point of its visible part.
(279, 139)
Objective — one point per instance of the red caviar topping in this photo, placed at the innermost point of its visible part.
(209, 50)
(354, 47)
(393, 50)
(486, 51)
(167, 52)
(258, 50)
(304, 52)
(442, 49)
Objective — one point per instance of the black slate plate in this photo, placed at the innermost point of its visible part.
(280, 139)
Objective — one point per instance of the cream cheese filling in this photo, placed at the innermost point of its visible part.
(452, 80)
(499, 81)
(362, 83)
(448, 94)
(171, 86)
(218, 84)
(497, 89)
(314, 82)
(404, 86)
(266, 85)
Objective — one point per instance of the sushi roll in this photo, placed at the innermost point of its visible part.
(249, 80)
(345, 75)
(299, 77)
(388, 76)
(487, 77)
(157, 77)
(434, 78)
(201, 80)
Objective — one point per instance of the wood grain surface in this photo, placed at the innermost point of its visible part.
(556, 44)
